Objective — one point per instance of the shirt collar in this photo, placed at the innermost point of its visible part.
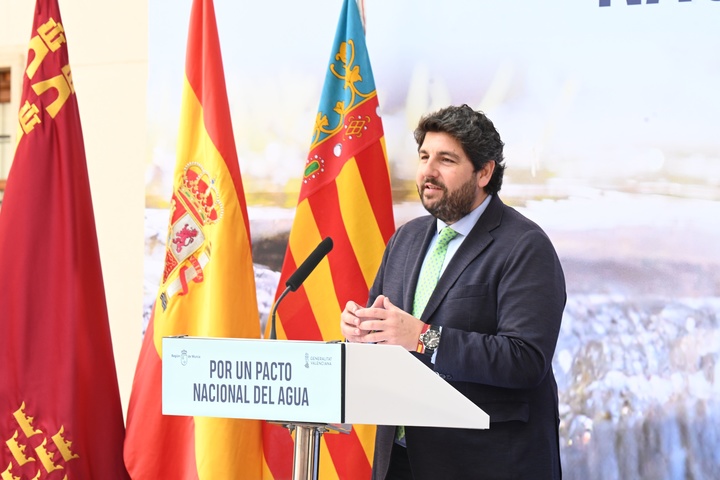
(466, 223)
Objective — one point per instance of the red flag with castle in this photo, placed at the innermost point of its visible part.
(345, 195)
(208, 283)
(60, 411)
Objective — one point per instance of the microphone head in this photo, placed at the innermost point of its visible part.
(326, 245)
(312, 261)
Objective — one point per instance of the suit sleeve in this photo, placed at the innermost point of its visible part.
(377, 287)
(529, 290)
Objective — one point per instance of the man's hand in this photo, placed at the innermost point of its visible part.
(382, 322)
(350, 324)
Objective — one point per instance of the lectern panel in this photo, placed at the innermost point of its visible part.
(258, 379)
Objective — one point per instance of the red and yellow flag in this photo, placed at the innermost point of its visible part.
(60, 411)
(208, 285)
(345, 195)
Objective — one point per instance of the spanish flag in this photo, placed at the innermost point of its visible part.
(208, 285)
(345, 195)
(60, 408)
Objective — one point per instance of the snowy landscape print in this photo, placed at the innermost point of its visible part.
(610, 119)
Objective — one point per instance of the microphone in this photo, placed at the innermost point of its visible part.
(297, 278)
(312, 261)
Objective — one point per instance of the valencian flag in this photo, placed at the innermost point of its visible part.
(60, 411)
(208, 285)
(345, 195)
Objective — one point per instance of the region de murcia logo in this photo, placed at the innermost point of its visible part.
(194, 207)
(183, 358)
(34, 452)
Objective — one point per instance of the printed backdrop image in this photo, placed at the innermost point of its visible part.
(609, 111)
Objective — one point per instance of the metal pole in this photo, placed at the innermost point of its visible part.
(303, 462)
(317, 435)
(306, 456)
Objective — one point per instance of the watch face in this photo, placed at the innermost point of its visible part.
(431, 339)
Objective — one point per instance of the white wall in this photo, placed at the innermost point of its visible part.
(107, 44)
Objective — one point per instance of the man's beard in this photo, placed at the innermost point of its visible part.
(453, 205)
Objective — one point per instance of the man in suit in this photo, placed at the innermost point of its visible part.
(491, 323)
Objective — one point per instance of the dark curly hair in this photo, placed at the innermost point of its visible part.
(475, 132)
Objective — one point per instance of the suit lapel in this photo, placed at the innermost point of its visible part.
(418, 248)
(476, 242)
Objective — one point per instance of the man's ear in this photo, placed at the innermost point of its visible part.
(485, 173)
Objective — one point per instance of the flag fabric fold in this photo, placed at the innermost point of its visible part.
(60, 410)
(207, 286)
(346, 195)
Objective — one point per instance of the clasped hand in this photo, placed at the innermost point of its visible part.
(382, 322)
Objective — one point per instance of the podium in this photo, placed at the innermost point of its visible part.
(310, 387)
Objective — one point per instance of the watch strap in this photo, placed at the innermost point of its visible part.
(421, 345)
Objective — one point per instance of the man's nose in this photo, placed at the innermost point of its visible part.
(429, 168)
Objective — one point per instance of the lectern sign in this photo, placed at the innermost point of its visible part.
(259, 379)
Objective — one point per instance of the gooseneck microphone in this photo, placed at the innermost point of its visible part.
(297, 278)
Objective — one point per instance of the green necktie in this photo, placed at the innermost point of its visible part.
(426, 284)
(431, 271)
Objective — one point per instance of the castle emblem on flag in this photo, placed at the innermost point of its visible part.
(195, 206)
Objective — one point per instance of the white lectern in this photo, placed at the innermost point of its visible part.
(308, 386)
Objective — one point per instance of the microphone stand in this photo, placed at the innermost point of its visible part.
(273, 335)
(297, 278)
(306, 456)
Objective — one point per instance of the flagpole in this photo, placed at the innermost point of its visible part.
(361, 9)
(346, 177)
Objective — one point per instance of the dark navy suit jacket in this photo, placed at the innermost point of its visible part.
(500, 302)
